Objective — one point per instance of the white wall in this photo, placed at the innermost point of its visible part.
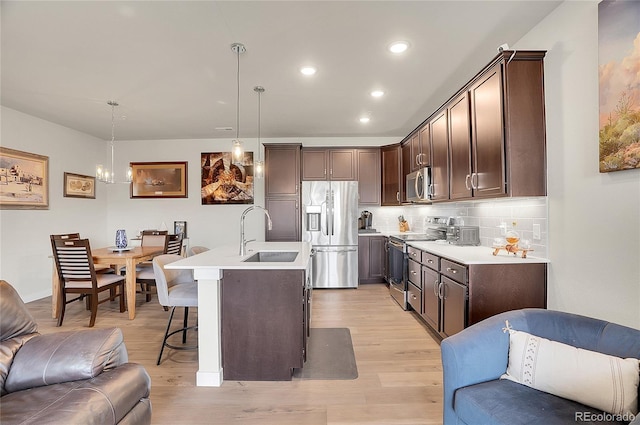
(25, 246)
(594, 218)
(593, 221)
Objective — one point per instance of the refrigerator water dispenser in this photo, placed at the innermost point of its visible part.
(314, 213)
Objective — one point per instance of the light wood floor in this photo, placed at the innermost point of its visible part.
(400, 372)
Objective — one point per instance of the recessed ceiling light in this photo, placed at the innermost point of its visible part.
(377, 93)
(364, 120)
(308, 70)
(398, 46)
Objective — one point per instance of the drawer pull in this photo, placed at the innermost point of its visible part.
(414, 297)
(414, 254)
(430, 261)
(454, 271)
(413, 272)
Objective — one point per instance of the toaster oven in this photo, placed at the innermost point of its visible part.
(463, 235)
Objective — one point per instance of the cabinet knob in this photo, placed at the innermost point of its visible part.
(430, 261)
(454, 271)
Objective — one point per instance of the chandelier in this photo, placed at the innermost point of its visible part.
(107, 175)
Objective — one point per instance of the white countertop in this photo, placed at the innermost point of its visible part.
(226, 257)
(474, 254)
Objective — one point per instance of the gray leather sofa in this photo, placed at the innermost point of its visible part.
(76, 377)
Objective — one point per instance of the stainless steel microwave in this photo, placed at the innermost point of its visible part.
(418, 185)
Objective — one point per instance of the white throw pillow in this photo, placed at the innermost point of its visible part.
(594, 379)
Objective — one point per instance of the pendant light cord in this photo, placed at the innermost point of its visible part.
(238, 96)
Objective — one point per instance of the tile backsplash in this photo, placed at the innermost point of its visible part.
(526, 213)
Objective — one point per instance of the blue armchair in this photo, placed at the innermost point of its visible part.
(473, 361)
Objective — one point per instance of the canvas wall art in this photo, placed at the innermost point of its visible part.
(225, 181)
(24, 180)
(619, 81)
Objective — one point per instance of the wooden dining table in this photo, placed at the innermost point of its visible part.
(106, 256)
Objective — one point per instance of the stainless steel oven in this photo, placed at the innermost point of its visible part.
(397, 282)
(397, 258)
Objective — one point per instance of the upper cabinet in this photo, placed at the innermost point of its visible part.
(460, 147)
(328, 164)
(282, 176)
(439, 156)
(489, 139)
(368, 161)
(391, 175)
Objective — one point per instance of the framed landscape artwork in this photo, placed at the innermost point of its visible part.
(619, 81)
(79, 186)
(158, 179)
(224, 181)
(24, 180)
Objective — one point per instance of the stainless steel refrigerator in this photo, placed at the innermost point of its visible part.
(330, 223)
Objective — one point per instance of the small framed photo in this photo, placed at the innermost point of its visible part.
(24, 180)
(158, 179)
(79, 186)
(180, 227)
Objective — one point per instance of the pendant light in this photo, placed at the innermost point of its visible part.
(259, 163)
(237, 151)
(104, 174)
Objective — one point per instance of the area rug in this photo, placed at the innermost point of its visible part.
(329, 356)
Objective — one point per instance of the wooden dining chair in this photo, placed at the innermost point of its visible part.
(144, 271)
(77, 275)
(174, 244)
(100, 268)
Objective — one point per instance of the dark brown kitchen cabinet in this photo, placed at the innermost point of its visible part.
(414, 143)
(487, 177)
(439, 156)
(460, 147)
(263, 324)
(507, 145)
(328, 164)
(391, 175)
(420, 148)
(371, 259)
(405, 167)
(369, 171)
(508, 121)
(282, 170)
(424, 153)
(285, 219)
(282, 191)
(456, 295)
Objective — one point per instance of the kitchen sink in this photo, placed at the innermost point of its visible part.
(272, 257)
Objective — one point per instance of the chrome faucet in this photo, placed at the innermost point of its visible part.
(243, 241)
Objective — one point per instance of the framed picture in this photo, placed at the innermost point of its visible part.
(24, 180)
(619, 120)
(224, 181)
(79, 186)
(158, 179)
(180, 227)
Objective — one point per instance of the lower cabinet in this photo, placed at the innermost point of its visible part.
(450, 296)
(264, 321)
(371, 259)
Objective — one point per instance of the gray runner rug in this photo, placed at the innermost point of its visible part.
(329, 355)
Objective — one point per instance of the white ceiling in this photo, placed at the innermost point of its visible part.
(170, 66)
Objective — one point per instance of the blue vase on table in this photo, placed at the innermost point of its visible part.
(121, 239)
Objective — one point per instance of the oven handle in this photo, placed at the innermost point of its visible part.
(396, 245)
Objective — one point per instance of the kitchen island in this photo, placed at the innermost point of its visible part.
(263, 290)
